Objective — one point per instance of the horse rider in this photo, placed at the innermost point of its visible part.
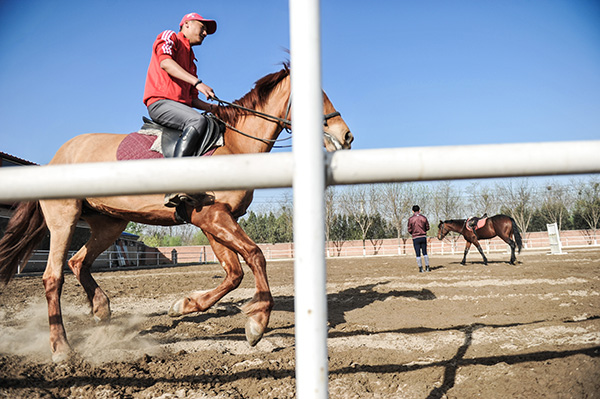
(172, 88)
(417, 227)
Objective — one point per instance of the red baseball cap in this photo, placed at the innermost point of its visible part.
(211, 26)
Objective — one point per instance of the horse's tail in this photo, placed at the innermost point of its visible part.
(517, 235)
(24, 231)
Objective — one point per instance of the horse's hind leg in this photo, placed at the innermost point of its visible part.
(105, 230)
(513, 246)
(485, 261)
(61, 218)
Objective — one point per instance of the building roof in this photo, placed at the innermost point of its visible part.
(11, 159)
(14, 159)
(128, 235)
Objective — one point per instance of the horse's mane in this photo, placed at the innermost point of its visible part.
(255, 98)
(455, 221)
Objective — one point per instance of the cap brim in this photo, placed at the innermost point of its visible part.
(211, 26)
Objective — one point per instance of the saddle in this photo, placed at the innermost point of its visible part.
(213, 137)
(474, 223)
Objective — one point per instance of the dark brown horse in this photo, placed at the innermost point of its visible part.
(499, 225)
(108, 217)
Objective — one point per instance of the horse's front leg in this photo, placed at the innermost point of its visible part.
(61, 217)
(228, 239)
(467, 247)
(485, 261)
(200, 301)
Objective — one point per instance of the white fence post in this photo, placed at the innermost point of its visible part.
(309, 199)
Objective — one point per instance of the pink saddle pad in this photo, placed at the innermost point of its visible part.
(137, 146)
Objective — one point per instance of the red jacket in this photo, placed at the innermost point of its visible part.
(418, 225)
(159, 84)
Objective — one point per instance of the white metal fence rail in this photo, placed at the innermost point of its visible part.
(276, 170)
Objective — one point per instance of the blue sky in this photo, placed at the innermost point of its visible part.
(418, 73)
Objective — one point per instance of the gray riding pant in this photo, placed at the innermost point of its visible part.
(176, 115)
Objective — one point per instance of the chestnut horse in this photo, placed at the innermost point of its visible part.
(108, 217)
(498, 225)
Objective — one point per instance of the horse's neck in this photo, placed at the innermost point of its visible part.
(459, 225)
(259, 127)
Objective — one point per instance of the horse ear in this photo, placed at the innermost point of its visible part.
(441, 222)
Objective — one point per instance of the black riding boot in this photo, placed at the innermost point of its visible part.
(186, 146)
(187, 143)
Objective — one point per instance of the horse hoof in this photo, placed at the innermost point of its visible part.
(60, 357)
(176, 309)
(254, 331)
(102, 317)
(101, 320)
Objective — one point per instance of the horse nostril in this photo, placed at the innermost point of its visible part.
(349, 138)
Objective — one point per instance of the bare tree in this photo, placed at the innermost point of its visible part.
(359, 202)
(446, 201)
(396, 201)
(587, 204)
(331, 198)
(187, 232)
(557, 199)
(482, 200)
(518, 199)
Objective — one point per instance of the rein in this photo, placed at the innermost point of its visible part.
(285, 123)
(273, 118)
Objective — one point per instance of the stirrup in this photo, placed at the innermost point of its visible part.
(172, 200)
(197, 200)
(189, 199)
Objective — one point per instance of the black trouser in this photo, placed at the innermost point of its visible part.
(420, 245)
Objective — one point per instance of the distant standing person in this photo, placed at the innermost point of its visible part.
(417, 227)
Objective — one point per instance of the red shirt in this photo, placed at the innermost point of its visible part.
(418, 225)
(159, 84)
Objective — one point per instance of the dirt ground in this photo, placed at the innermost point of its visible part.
(497, 331)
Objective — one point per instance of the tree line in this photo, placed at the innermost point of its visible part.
(378, 211)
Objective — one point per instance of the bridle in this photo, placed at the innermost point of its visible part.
(442, 231)
(284, 123)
